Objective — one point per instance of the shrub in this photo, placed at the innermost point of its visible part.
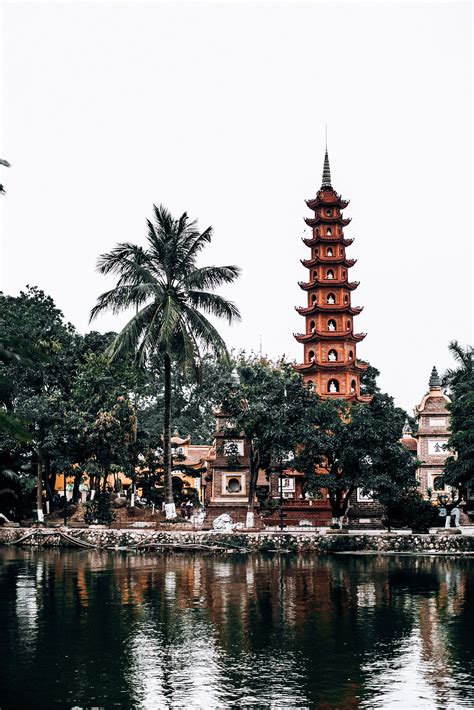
(99, 510)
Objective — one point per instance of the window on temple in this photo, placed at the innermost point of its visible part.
(233, 485)
(353, 386)
(330, 274)
(312, 326)
(331, 298)
(333, 386)
(351, 355)
(346, 299)
(348, 325)
(329, 213)
(332, 325)
(329, 232)
(343, 274)
(329, 252)
(311, 356)
(340, 251)
(332, 355)
(315, 275)
(313, 298)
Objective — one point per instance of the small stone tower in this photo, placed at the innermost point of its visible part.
(432, 436)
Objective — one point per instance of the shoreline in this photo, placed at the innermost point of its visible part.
(141, 540)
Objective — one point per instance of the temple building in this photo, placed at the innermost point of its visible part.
(330, 355)
(227, 481)
(432, 436)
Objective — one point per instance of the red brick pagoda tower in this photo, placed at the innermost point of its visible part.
(330, 357)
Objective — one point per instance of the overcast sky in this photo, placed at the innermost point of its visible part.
(219, 109)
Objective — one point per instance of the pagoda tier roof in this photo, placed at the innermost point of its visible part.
(327, 197)
(317, 219)
(316, 335)
(349, 366)
(327, 283)
(327, 240)
(330, 260)
(329, 307)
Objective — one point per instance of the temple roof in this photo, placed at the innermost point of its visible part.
(328, 283)
(314, 366)
(317, 219)
(328, 307)
(316, 335)
(329, 261)
(327, 240)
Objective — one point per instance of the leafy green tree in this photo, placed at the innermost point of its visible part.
(272, 407)
(459, 468)
(172, 296)
(39, 382)
(362, 449)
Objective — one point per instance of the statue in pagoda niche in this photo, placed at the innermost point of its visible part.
(332, 356)
(331, 299)
(332, 325)
(333, 386)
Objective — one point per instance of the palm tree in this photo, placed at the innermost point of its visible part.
(6, 164)
(454, 378)
(172, 297)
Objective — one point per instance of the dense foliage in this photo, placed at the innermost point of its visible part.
(459, 468)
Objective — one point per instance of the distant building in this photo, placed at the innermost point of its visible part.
(189, 462)
(432, 436)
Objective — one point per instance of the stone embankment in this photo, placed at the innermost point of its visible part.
(146, 540)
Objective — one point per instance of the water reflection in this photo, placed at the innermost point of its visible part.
(91, 629)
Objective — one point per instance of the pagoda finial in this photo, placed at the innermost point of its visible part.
(407, 429)
(434, 379)
(326, 171)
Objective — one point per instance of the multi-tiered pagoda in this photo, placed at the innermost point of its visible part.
(330, 356)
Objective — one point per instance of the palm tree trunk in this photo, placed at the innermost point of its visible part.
(170, 508)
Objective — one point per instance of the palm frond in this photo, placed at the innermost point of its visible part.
(214, 304)
(205, 333)
(132, 334)
(212, 276)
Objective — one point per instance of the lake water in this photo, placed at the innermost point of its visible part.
(111, 630)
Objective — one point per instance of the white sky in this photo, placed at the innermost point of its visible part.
(219, 109)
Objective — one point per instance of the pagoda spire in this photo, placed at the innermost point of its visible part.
(434, 379)
(326, 171)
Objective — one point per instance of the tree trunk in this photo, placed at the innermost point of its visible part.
(250, 520)
(170, 508)
(75, 490)
(39, 489)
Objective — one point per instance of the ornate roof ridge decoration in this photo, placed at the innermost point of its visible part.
(435, 381)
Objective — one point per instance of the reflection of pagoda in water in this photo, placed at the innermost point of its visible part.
(329, 340)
